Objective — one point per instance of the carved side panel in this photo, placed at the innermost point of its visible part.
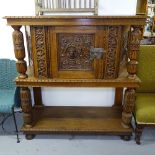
(112, 54)
(40, 56)
(74, 51)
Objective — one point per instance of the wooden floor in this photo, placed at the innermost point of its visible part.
(78, 120)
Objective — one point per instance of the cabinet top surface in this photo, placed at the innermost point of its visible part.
(76, 17)
(76, 20)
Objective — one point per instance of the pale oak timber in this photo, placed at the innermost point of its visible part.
(61, 57)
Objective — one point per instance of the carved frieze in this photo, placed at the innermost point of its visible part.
(40, 48)
(74, 51)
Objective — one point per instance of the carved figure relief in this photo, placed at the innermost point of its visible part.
(135, 37)
(74, 51)
(133, 48)
(18, 40)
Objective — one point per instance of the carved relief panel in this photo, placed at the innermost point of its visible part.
(74, 51)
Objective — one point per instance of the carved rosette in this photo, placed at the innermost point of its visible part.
(40, 47)
(111, 54)
(74, 51)
(19, 50)
(128, 106)
(26, 106)
(133, 48)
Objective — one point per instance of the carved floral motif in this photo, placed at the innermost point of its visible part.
(74, 51)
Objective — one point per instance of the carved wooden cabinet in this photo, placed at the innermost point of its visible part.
(78, 51)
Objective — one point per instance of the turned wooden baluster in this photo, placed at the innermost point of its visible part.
(21, 66)
(19, 51)
(128, 106)
(26, 106)
(134, 42)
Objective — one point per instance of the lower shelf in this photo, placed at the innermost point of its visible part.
(77, 120)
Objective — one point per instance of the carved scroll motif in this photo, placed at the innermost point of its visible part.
(74, 51)
(128, 106)
(133, 48)
(111, 59)
(41, 51)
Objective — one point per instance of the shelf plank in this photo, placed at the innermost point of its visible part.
(78, 120)
(120, 82)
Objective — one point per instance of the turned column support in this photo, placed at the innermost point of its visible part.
(26, 106)
(128, 106)
(135, 36)
(19, 50)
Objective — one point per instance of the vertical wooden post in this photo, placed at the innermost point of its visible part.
(96, 7)
(133, 48)
(128, 106)
(141, 7)
(19, 51)
(98, 68)
(26, 106)
(118, 96)
(37, 97)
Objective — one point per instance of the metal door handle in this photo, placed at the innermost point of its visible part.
(96, 53)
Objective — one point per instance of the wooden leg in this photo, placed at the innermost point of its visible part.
(129, 101)
(37, 97)
(26, 106)
(29, 136)
(126, 137)
(118, 96)
(138, 133)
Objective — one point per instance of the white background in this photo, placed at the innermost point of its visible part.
(62, 96)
